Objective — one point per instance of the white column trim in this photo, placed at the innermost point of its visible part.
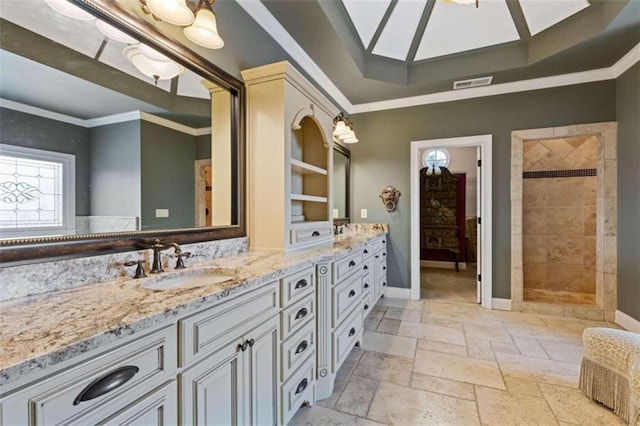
(627, 322)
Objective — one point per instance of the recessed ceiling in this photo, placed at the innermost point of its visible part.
(449, 27)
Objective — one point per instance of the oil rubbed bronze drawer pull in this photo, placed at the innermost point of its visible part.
(352, 293)
(366, 285)
(366, 307)
(302, 347)
(106, 384)
(352, 331)
(302, 386)
(366, 251)
(315, 234)
(352, 263)
(365, 267)
(301, 284)
(302, 313)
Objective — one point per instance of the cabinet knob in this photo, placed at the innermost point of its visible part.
(242, 346)
(352, 331)
(377, 256)
(384, 284)
(352, 293)
(384, 268)
(106, 383)
(302, 386)
(302, 313)
(365, 267)
(352, 263)
(251, 343)
(366, 307)
(366, 285)
(302, 347)
(301, 284)
(384, 241)
(366, 251)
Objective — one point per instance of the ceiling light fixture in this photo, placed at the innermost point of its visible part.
(69, 10)
(343, 130)
(199, 19)
(152, 64)
(465, 2)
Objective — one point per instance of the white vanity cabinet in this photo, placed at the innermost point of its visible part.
(133, 379)
(289, 139)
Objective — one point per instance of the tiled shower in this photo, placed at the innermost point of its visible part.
(559, 219)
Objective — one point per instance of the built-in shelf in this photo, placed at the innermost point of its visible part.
(303, 168)
(302, 197)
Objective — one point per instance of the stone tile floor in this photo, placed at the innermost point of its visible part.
(432, 362)
(448, 285)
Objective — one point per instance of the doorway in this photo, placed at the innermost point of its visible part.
(448, 249)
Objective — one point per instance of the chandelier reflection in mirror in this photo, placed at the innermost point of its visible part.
(343, 130)
(202, 30)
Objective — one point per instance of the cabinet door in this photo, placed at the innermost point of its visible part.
(262, 366)
(212, 389)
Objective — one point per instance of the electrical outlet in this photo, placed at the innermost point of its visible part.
(363, 213)
(336, 213)
(162, 212)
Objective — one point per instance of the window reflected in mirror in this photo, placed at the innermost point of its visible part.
(94, 139)
(341, 196)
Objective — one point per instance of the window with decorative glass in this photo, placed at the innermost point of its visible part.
(37, 192)
(435, 158)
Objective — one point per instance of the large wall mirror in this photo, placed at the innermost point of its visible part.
(341, 184)
(101, 152)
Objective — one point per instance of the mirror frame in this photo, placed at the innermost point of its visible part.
(32, 250)
(347, 193)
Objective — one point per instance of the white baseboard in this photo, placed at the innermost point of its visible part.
(397, 293)
(627, 322)
(442, 264)
(501, 304)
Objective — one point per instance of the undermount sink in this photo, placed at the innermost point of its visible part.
(188, 280)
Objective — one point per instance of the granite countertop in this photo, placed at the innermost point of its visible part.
(44, 330)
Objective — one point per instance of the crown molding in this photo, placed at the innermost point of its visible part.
(102, 121)
(270, 24)
(626, 62)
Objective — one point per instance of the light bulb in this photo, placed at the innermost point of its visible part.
(175, 12)
(204, 30)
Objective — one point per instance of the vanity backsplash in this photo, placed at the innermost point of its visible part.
(359, 228)
(26, 280)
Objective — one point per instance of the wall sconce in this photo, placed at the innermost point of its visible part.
(343, 130)
(390, 197)
(199, 19)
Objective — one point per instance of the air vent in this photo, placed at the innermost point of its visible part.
(474, 82)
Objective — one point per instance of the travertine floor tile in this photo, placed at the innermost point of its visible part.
(344, 374)
(385, 368)
(571, 406)
(427, 319)
(507, 348)
(522, 387)
(401, 303)
(317, 415)
(357, 396)
(389, 326)
(372, 320)
(448, 348)
(411, 315)
(461, 369)
(431, 332)
(512, 317)
(493, 333)
(563, 351)
(530, 347)
(480, 349)
(504, 408)
(398, 405)
(465, 316)
(444, 386)
(389, 344)
(538, 369)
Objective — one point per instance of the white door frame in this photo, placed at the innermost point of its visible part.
(484, 142)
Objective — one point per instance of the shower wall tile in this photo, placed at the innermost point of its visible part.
(565, 250)
(534, 248)
(565, 221)
(534, 220)
(590, 221)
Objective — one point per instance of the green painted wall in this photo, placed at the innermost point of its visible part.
(32, 131)
(382, 157)
(167, 177)
(628, 115)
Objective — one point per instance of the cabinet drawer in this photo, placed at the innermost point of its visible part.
(345, 337)
(205, 332)
(298, 389)
(378, 243)
(296, 316)
(105, 384)
(297, 348)
(298, 285)
(299, 236)
(348, 265)
(345, 297)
